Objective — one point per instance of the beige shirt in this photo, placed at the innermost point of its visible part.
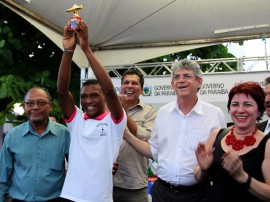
(133, 167)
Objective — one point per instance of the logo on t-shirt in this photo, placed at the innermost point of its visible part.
(102, 128)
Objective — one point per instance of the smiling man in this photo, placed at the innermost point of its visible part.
(96, 133)
(265, 125)
(131, 179)
(178, 129)
(32, 158)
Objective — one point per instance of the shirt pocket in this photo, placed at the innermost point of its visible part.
(56, 162)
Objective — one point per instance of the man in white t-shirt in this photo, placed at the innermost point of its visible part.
(96, 135)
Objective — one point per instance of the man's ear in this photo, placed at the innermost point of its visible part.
(23, 106)
(141, 91)
(51, 106)
(200, 80)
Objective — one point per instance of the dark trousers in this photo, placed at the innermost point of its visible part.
(161, 192)
(52, 200)
(130, 195)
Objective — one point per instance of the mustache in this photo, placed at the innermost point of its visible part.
(267, 104)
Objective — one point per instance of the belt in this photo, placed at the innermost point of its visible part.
(180, 187)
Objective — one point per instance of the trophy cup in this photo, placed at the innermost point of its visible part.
(75, 18)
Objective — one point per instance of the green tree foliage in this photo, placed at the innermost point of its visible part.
(210, 52)
(28, 59)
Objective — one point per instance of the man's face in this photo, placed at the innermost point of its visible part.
(92, 100)
(185, 83)
(267, 99)
(37, 106)
(131, 87)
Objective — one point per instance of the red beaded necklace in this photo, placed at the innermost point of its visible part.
(239, 144)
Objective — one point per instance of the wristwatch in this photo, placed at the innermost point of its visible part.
(246, 185)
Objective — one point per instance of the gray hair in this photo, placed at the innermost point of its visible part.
(266, 81)
(188, 65)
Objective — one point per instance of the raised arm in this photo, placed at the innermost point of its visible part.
(111, 97)
(65, 98)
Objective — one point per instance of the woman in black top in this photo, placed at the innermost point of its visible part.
(237, 159)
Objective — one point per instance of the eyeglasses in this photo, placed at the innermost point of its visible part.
(184, 76)
(40, 103)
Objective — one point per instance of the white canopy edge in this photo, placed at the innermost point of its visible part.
(109, 57)
(78, 57)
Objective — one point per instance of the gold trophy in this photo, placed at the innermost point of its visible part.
(75, 18)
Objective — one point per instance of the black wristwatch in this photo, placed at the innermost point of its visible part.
(246, 185)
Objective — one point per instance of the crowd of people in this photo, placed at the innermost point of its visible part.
(109, 140)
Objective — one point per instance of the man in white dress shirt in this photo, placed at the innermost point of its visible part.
(178, 128)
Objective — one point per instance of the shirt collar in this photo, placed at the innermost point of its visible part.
(100, 117)
(139, 104)
(198, 108)
(267, 127)
(50, 128)
(26, 128)
(268, 123)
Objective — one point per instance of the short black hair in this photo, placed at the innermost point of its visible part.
(90, 82)
(133, 72)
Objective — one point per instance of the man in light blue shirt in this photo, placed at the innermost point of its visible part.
(32, 158)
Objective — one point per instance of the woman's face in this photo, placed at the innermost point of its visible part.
(244, 111)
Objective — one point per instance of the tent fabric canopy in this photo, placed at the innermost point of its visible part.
(128, 31)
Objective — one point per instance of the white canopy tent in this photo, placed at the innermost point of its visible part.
(130, 31)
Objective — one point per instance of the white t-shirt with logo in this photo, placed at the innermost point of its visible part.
(94, 146)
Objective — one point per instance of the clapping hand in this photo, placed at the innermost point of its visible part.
(204, 156)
